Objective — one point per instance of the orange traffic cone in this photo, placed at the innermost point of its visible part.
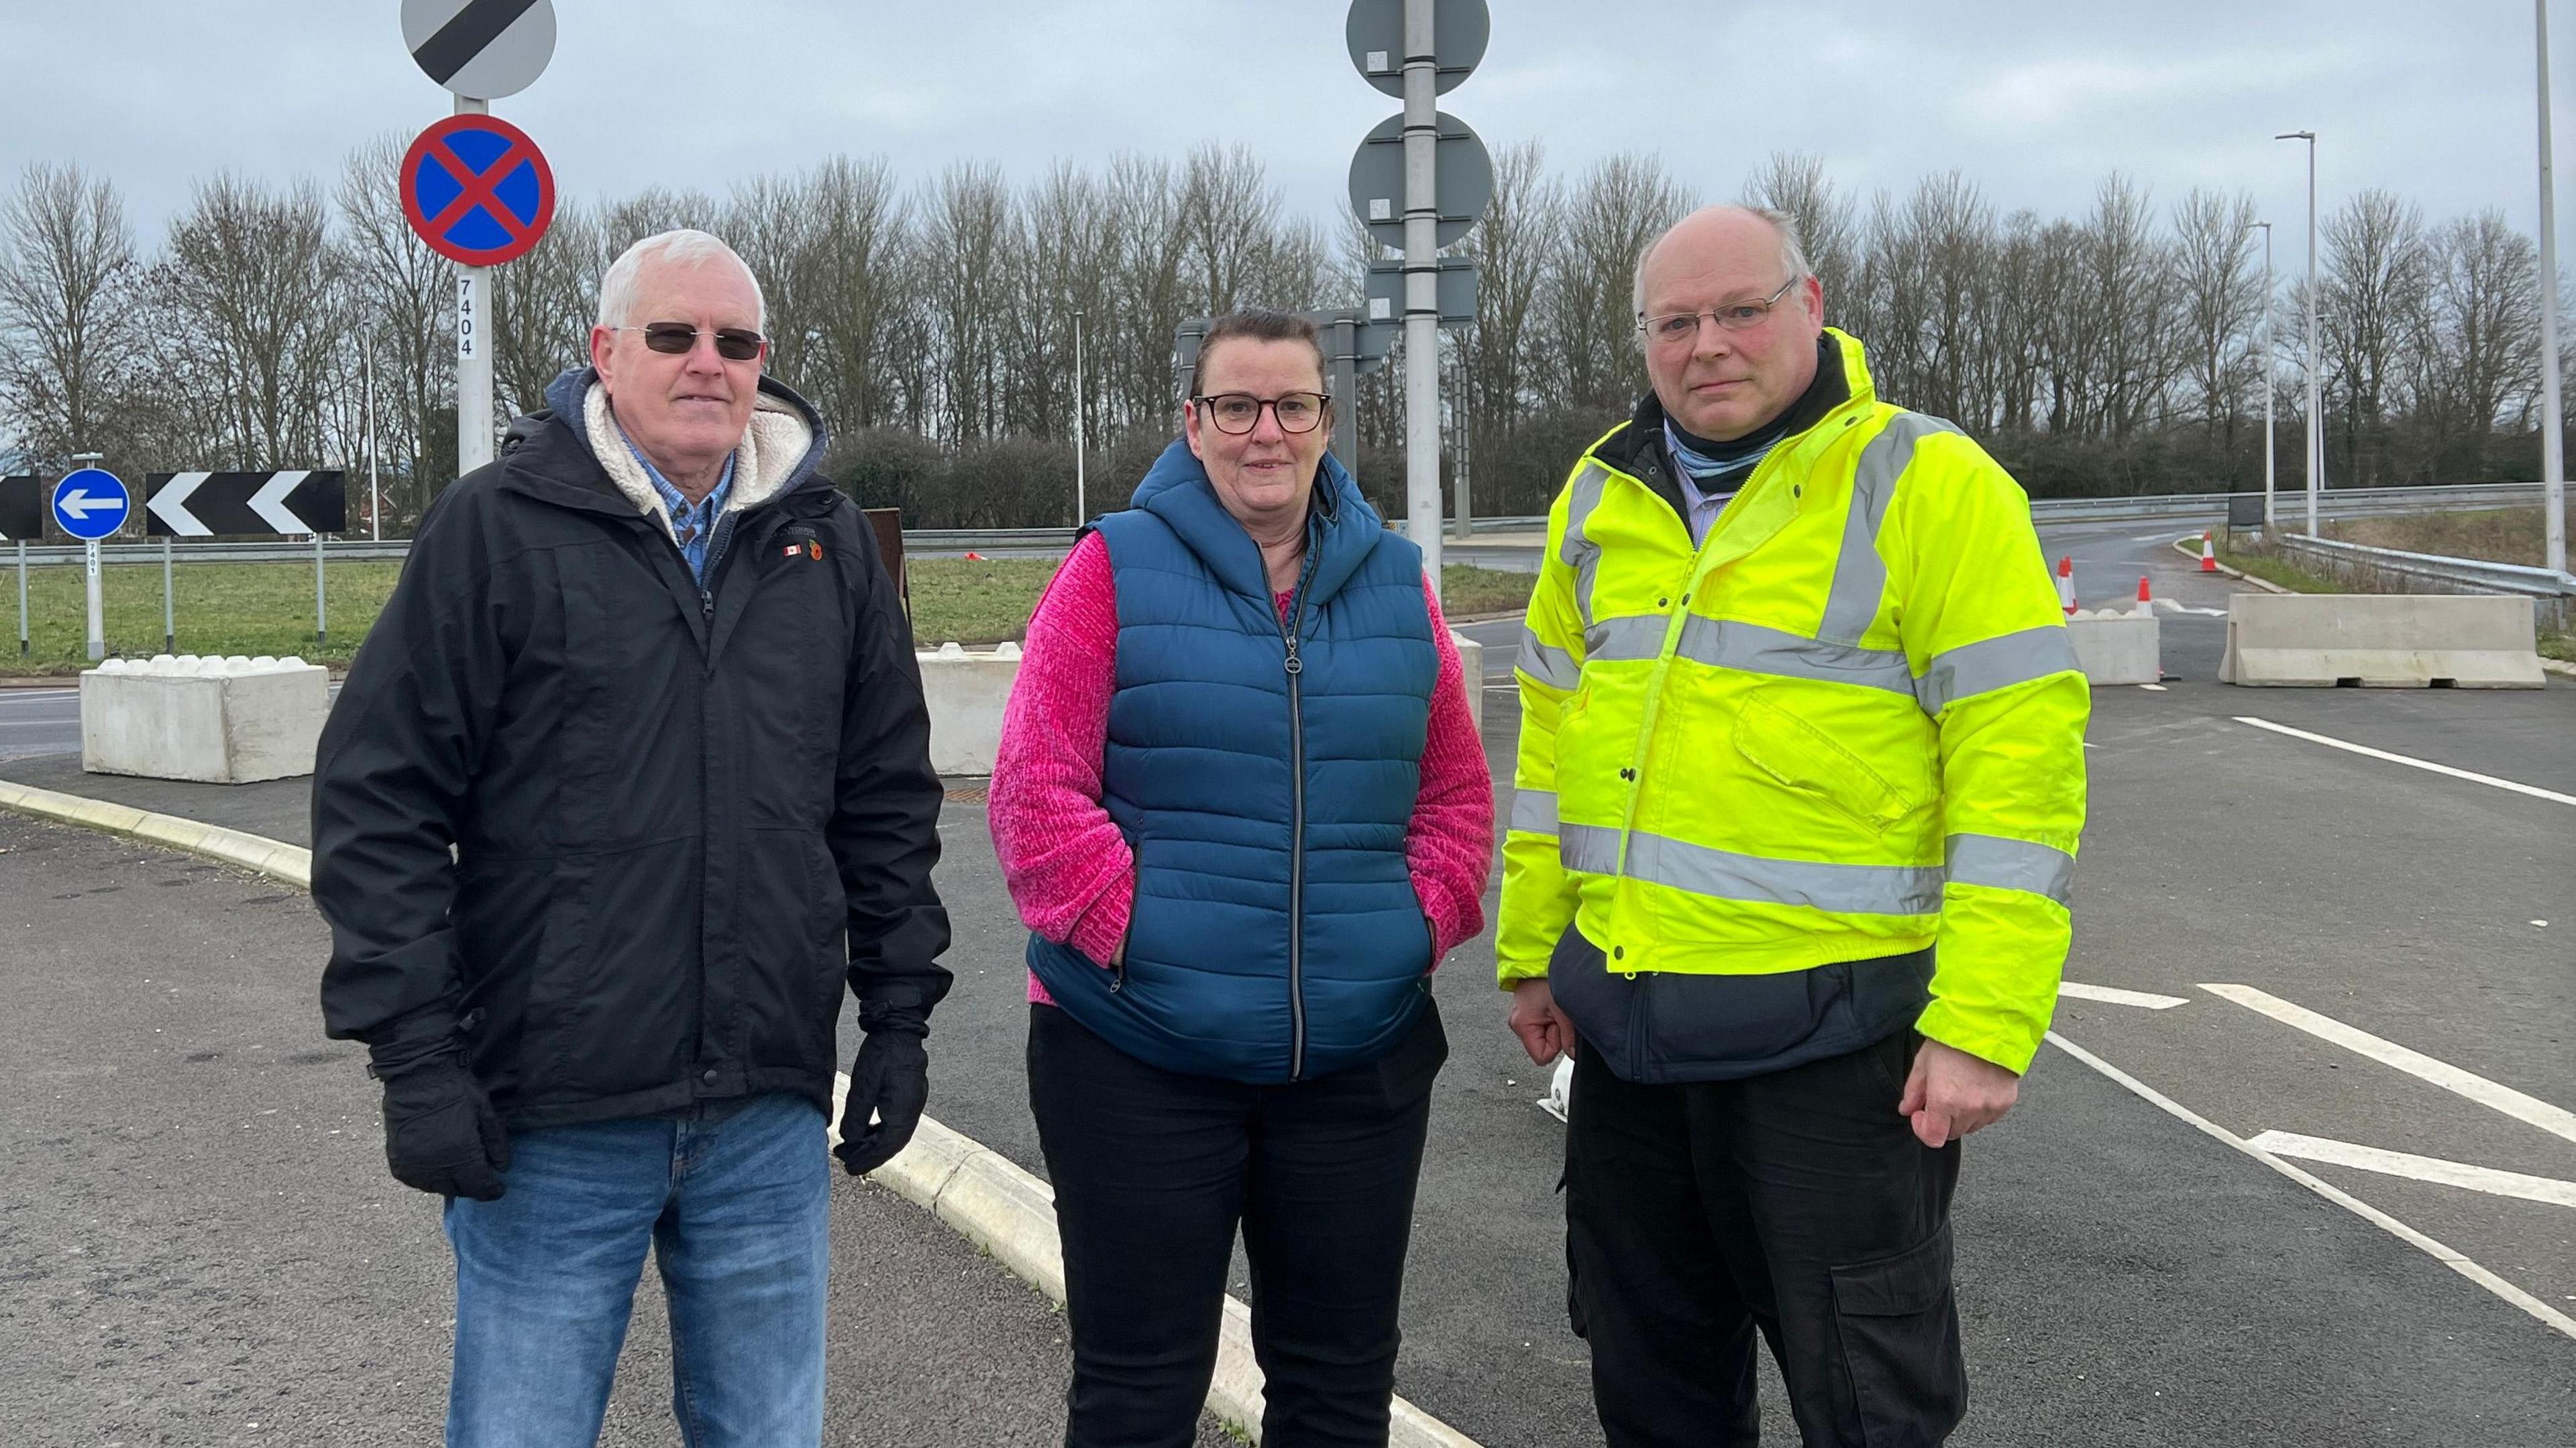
(2066, 585)
(2208, 553)
(2146, 601)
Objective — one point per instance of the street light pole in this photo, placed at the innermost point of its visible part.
(375, 493)
(2270, 520)
(2316, 388)
(2553, 444)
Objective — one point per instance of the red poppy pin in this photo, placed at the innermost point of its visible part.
(814, 551)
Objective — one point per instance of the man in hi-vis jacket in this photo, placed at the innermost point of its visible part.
(1801, 776)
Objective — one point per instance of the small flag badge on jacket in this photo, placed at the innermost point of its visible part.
(810, 550)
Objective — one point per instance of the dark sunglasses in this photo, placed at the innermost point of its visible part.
(734, 344)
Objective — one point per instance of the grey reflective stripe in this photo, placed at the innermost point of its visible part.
(1860, 575)
(1725, 875)
(1579, 552)
(1637, 636)
(1534, 811)
(1727, 644)
(1996, 663)
(1553, 667)
(2013, 865)
(1590, 849)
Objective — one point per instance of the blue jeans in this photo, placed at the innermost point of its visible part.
(546, 1275)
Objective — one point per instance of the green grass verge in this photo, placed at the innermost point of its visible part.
(1466, 590)
(223, 608)
(267, 608)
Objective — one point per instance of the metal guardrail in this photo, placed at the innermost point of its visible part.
(2463, 574)
(2336, 503)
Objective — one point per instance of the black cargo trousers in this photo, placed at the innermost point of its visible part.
(1798, 1202)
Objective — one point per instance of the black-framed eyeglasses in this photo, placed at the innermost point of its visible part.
(1671, 329)
(734, 344)
(1236, 413)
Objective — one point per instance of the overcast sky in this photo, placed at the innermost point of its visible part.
(2034, 101)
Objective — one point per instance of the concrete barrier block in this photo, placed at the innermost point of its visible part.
(214, 720)
(2381, 640)
(2118, 648)
(1471, 658)
(967, 692)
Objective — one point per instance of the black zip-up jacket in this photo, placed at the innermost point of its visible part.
(682, 817)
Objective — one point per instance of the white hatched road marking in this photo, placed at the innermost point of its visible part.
(2448, 1257)
(2113, 995)
(2419, 1168)
(2535, 791)
(2556, 1120)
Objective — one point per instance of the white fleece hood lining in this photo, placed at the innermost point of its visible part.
(771, 447)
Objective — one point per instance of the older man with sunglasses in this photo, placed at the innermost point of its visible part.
(1801, 775)
(630, 779)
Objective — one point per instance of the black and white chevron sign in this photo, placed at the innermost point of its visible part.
(22, 508)
(207, 505)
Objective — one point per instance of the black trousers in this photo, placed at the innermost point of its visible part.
(1153, 1172)
(1798, 1203)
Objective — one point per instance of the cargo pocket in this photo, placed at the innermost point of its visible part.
(1899, 1325)
(1805, 760)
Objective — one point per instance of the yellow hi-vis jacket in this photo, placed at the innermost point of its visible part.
(1848, 725)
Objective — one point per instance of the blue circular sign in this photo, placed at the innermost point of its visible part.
(91, 503)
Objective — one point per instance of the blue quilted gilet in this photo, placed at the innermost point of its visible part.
(1260, 952)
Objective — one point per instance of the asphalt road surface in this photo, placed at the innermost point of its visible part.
(2335, 947)
(201, 1245)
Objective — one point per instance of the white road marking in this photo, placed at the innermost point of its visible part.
(2454, 1260)
(2535, 791)
(2153, 688)
(2555, 1120)
(2187, 608)
(2419, 1168)
(2113, 995)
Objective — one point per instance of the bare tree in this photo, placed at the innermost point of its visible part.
(2370, 307)
(68, 337)
(1619, 205)
(965, 238)
(251, 305)
(2221, 303)
(403, 299)
(2477, 359)
(543, 305)
(1795, 182)
(1511, 244)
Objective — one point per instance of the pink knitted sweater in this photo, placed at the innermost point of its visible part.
(1067, 867)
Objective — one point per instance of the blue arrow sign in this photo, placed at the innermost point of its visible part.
(91, 503)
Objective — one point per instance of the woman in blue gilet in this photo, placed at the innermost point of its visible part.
(1241, 802)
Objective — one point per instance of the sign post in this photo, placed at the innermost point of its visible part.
(476, 189)
(1416, 49)
(90, 504)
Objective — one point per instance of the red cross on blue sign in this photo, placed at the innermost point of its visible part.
(477, 190)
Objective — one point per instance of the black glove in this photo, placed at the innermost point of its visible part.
(890, 1081)
(441, 1133)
